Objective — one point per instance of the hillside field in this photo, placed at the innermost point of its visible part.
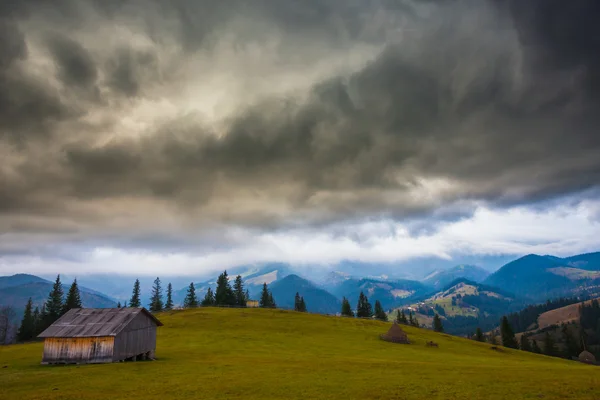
(246, 354)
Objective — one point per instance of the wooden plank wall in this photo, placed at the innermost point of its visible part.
(78, 350)
(137, 338)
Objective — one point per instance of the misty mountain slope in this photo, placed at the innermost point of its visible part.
(588, 262)
(253, 278)
(20, 279)
(540, 278)
(441, 278)
(17, 296)
(317, 300)
(389, 293)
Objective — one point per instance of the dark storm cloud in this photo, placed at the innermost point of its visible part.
(492, 101)
(76, 66)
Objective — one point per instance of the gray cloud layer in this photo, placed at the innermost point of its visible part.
(123, 117)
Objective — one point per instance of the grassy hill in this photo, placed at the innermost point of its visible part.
(275, 354)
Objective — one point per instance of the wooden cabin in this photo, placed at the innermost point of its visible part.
(100, 335)
(251, 303)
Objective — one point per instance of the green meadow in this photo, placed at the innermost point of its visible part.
(246, 354)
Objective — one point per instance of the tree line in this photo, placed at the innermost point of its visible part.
(364, 309)
(568, 334)
(36, 320)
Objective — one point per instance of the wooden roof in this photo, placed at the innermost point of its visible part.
(93, 322)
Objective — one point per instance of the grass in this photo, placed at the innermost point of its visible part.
(274, 354)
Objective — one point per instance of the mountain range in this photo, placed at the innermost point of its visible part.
(15, 291)
(529, 279)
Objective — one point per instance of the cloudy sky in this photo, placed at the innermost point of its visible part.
(142, 135)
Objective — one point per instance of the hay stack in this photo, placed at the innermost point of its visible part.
(395, 335)
(587, 357)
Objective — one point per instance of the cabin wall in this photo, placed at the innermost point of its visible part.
(78, 350)
(138, 337)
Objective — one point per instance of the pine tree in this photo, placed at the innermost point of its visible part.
(27, 330)
(247, 296)
(238, 290)
(525, 345)
(550, 346)
(437, 323)
(264, 297)
(43, 321)
(124, 304)
(479, 335)
(36, 322)
(191, 300)
(297, 302)
(156, 300)
(404, 319)
(209, 298)
(169, 303)
(379, 312)
(302, 304)
(572, 347)
(224, 295)
(535, 348)
(415, 321)
(507, 334)
(119, 304)
(346, 309)
(73, 298)
(54, 304)
(272, 301)
(410, 318)
(363, 309)
(135, 295)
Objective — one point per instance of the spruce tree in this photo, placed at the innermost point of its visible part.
(264, 297)
(479, 335)
(363, 309)
(238, 290)
(119, 304)
(524, 343)
(169, 303)
(272, 301)
(410, 318)
(191, 300)
(302, 304)
(224, 294)
(209, 298)
(135, 295)
(54, 304)
(535, 348)
(73, 298)
(36, 322)
(124, 304)
(156, 300)
(297, 302)
(43, 320)
(346, 309)
(415, 321)
(27, 329)
(507, 334)
(247, 296)
(572, 347)
(379, 312)
(437, 323)
(404, 319)
(550, 346)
